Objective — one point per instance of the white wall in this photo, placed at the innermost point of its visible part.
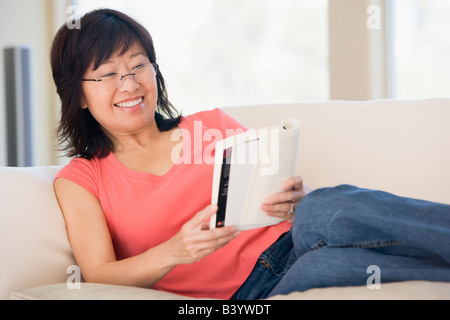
(32, 23)
(358, 60)
(358, 50)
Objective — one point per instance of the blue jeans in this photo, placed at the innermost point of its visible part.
(347, 236)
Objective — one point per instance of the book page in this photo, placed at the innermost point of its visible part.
(279, 145)
(288, 142)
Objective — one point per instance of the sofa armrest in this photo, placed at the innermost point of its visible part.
(34, 248)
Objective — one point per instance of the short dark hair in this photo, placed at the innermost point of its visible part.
(102, 33)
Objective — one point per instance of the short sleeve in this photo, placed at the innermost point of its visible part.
(218, 119)
(229, 123)
(82, 172)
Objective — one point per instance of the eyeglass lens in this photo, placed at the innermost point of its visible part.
(142, 74)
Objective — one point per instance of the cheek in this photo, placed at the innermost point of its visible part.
(150, 91)
(95, 99)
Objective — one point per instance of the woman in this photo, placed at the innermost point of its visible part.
(135, 214)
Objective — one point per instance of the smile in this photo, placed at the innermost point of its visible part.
(129, 104)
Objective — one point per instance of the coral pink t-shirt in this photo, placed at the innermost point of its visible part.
(144, 210)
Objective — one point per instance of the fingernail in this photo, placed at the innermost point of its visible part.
(267, 200)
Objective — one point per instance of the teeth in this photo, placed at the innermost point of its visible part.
(129, 104)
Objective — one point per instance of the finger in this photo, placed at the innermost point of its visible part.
(281, 215)
(217, 234)
(205, 252)
(199, 219)
(212, 240)
(278, 210)
(196, 235)
(293, 182)
(223, 238)
(205, 225)
(284, 211)
(286, 196)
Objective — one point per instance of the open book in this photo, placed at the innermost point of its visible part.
(248, 167)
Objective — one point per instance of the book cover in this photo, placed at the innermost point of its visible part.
(248, 167)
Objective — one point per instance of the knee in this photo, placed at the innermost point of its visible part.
(326, 197)
(317, 211)
(318, 206)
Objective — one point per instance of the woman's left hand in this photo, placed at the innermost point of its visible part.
(283, 204)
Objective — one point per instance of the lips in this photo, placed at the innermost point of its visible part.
(129, 103)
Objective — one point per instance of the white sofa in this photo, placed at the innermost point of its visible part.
(398, 146)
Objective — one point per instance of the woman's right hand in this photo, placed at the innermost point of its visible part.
(196, 240)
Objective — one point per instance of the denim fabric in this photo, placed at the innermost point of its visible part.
(339, 234)
(271, 266)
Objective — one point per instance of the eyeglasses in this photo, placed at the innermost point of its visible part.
(142, 73)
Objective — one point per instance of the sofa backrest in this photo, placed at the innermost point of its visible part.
(401, 147)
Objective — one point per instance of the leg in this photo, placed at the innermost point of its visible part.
(334, 267)
(349, 216)
(339, 232)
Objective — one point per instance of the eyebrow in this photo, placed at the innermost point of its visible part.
(131, 57)
(137, 53)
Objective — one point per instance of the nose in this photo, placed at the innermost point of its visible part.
(128, 84)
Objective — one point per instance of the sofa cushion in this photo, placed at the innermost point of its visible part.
(92, 291)
(408, 290)
(34, 248)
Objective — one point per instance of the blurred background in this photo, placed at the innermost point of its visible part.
(217, 53)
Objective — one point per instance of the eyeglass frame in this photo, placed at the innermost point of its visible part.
(154, 64)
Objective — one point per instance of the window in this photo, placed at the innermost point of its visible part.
(221, 53)
(422, 48)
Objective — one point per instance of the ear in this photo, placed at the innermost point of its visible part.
(83, 102)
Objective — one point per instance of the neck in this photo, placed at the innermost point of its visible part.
(137, 140)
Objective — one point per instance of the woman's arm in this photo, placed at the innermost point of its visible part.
(93, 249)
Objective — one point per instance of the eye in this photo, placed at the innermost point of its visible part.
(139, 66)
(108, 75)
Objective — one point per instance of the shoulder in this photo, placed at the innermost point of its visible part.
(215, 119)
(83, 172)
(79, 165)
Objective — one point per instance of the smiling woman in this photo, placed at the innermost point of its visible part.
(95, 52)
(128, 215)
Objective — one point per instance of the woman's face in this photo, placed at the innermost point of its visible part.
(129, 108)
